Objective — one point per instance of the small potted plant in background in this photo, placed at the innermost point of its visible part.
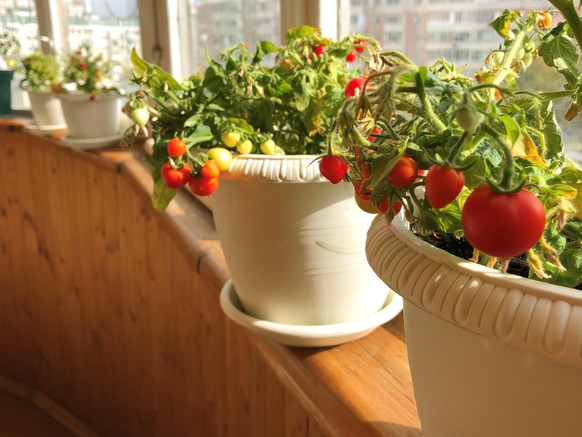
(9, 57)
(42, 77)
(248, 132)
(493, 319)
(90, 100)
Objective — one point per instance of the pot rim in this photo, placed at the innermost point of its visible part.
(543, 289)
(275, 169)
(541, 318)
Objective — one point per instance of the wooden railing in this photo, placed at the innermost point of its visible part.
(111, 309)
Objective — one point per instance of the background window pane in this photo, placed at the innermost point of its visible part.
(214, 25)
(18, 17)
(110, 27)
(427, 30)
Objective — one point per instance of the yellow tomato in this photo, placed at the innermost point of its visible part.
(222, 158)
(269, 147)
(231, 139)
(245, 147)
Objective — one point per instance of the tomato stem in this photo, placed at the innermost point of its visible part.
(432, 117)
(505, 185)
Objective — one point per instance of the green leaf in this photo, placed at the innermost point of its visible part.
(263, 49)
(300, 32)
(559, 52)
(162, 195)
(511, 127)
(200, 135)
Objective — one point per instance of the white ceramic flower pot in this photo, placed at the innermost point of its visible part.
(490, 354)
(46, 109)
(87, 118)
(294, 243)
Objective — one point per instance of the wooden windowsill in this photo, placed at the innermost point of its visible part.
(360, 388)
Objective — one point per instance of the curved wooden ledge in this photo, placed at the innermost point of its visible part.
(111, 309)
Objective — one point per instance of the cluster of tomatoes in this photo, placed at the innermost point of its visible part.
(359, 46)
(202, 177)
(493, 222)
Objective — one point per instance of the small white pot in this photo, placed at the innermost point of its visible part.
(490, 354)
(294, 243)
(46, 109)
(91, 118)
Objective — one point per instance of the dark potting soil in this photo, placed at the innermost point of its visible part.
(460, 247)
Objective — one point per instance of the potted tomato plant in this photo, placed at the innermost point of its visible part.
(42, 77)
(486, 251)
(248, 131)
(87, 94)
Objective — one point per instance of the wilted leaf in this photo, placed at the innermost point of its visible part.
(525, 148)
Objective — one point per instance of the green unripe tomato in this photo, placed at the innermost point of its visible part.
(140, 116)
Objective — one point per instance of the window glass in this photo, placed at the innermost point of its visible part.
(215, 25)
(110, 27)
(18, 17)
(427, 30)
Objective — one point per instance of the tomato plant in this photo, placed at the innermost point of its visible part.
(333, 168)
(176, 147)
(497, 173)
(354, 87)
(503, 225)
(404, 172)
(442, 185)
(175, 177)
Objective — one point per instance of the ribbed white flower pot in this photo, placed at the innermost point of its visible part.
(91, 118)
(490, 354)
(294, 243)
(46, 109)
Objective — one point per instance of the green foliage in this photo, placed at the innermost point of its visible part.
(9, 50)
(42, 72)
(287, 94)
(486, 127)
(88, 73)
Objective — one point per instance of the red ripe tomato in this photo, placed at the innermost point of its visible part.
(351, 56)
(333, 168)
(503, 225)
(360, 46)
(375, 131)
(443, 185)
(176, 147)
(385, 204)
(354, 87)
(175, 177)
(320, 50)
(404, 172)
(203, 185)
(210, 169)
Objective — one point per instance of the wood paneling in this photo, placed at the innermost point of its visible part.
(111, 309)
